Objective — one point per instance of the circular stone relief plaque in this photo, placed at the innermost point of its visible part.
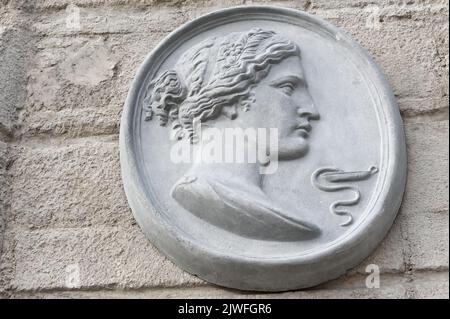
(262, 149)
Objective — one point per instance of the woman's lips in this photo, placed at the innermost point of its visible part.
(303, 129)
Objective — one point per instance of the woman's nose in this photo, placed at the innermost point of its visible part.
(308, 110)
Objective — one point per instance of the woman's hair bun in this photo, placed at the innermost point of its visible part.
(165, 98)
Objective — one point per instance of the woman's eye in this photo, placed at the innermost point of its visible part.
(287, 88)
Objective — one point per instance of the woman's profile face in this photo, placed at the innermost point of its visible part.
(282, 101)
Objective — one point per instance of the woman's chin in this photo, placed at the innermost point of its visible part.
(292, 148)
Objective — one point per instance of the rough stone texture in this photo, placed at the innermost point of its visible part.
(62, 206)
(426, 234)
(4, 181)
(72, 185)
(64, 99)
(425, 222)
(430, 285)
(14, 45)
(109, 257)
(424, 285)
(86, 103)
(4, 189)
(427, 185)
(396, 288)
(5, 202)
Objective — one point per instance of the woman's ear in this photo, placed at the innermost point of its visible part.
(230, 112)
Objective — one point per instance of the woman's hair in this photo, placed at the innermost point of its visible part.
(216, 73)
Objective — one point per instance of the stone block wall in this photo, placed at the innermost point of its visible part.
(63, 212)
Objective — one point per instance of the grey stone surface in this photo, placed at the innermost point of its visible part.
(4, 177)
(428, 161)
(431, 285)
(395, 287)
(14, 49)
(110, 257)
(72, 185)
(5, 202)
(426, 233)
(121, 25)
(418, 78)
(87, 104)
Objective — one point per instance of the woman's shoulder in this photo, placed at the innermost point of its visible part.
(239, 209)
(191, 188)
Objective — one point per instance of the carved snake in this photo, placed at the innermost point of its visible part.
(334, 175)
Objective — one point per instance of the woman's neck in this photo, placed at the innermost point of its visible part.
(213, 157)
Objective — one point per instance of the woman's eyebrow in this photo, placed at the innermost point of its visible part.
(285, 79)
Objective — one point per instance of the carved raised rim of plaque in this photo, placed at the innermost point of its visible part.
(309, 267)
